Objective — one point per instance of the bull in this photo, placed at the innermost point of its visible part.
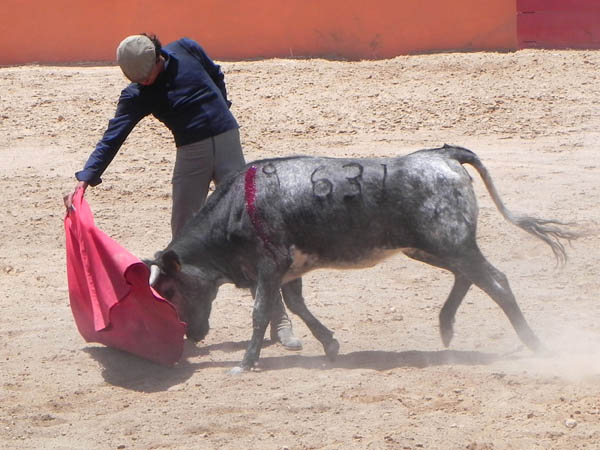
(278, 219)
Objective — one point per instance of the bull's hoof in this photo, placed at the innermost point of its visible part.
(245, 366)
(332, 349)
(238, 370)
(446, 328)
(446, 333)
(536, 346)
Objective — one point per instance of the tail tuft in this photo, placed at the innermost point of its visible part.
(551, 232)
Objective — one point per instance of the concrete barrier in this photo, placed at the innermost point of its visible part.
(47, 31)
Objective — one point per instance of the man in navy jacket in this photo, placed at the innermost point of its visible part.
(184, 89)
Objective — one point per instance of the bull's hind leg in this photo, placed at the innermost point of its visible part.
(448, 312)
(292, 295)
(455, 298)
(494, 283)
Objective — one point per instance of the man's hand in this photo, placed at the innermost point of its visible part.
(68, 199)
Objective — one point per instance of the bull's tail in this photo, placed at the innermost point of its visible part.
(548, 230)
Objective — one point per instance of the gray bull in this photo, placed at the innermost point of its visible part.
(281, 218)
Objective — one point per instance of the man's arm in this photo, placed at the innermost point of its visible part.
(127, 116)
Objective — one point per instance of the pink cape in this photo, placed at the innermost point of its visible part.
(111, 300)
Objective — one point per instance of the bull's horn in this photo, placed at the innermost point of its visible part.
(154, 273)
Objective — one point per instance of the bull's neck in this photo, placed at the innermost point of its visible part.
(200, 251)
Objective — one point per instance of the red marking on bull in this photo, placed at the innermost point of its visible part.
(250, 192)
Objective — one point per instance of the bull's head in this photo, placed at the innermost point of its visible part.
(187, 289)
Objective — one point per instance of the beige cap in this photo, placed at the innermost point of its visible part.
(136, 55)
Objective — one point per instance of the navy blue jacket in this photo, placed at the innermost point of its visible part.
(189, 97)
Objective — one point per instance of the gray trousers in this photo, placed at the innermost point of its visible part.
(196, 165)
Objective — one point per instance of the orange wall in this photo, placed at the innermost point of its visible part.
(89, 30)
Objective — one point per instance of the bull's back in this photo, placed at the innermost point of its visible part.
(350, 209)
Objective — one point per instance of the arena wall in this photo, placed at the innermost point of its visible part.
(47, 31)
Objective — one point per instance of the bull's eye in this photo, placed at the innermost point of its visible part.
(168, 293)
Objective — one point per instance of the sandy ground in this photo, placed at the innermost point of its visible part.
(532, 116)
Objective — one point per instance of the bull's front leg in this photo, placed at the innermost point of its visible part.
(267, 293)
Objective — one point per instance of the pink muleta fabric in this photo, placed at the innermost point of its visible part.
(111, 300)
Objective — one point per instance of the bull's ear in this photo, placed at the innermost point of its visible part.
(170, 263)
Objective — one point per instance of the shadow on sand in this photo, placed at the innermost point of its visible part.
(130, 372)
